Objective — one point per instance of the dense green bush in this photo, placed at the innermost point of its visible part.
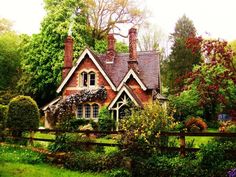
(214, 158)
(3, 116)
(23, 113)
(92, 161)
(105, 121)
(6, 96)
(185, 104)
(165, 166)
(69, 142)
(142, 129)
(211, 161)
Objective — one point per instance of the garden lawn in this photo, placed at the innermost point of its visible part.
(28, 170)
(16, 161)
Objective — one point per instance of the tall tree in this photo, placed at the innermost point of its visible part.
(43, 57)
(10, 56)
(106, 15)
(181, 59)
(150, 38)
(215, 78)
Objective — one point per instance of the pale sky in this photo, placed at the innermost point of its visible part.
(212, 18)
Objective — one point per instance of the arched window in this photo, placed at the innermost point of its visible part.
(92, 78)
(95, 110)
(87, 111)
(84, 79)
(80, 111)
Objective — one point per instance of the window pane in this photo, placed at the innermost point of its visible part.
(80, 111)
(84, 79)
(95, 110)
(92, 79)
(87, 111)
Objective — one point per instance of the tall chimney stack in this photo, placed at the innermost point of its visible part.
(68, 56)
(133, 63)
(110, 48)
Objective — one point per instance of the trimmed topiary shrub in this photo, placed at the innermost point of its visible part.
(23, 113)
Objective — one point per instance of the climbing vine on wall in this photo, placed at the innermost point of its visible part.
(65, 108)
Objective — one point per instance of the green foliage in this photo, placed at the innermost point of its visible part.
(3, 116)
(23, 113)
(122, 47)
(18, 162)
(10, 57)
(70, 142)
(43, 57)
(185, 104)
(105, 121)
(216, 166)
(91, 161)
(166, 166)
(142, 128)
(19, 155)
(119, 173)
(101, 47)
(181, 59)
(233, 46)
(211, 161)
(215, 79)
(6, 96)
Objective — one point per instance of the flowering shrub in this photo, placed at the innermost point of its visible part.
(142, 128)
(232, 173)
(63, 111)
(195, 124)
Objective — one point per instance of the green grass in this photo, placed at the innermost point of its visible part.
(39, 170)
(18, 161)
(44, 135)
(194, 141)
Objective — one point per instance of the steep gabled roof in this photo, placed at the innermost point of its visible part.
(148, 63)
(97, 63)
(126, 89)
(117, 73)
(130, 73)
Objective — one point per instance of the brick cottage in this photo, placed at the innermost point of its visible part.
(127, 77)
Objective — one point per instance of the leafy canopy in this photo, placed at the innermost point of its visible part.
(43, 57)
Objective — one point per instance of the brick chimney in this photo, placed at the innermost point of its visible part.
(133, 63)
(68, 56)
(110, 56)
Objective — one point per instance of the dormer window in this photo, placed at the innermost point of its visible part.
(88, 79)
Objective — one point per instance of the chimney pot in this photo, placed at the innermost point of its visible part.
(110, 56)
(68, 56)
(133, 63)
(133, 44)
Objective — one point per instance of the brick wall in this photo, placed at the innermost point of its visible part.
(87, 65)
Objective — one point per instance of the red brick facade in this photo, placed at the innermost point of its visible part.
(74, 84)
